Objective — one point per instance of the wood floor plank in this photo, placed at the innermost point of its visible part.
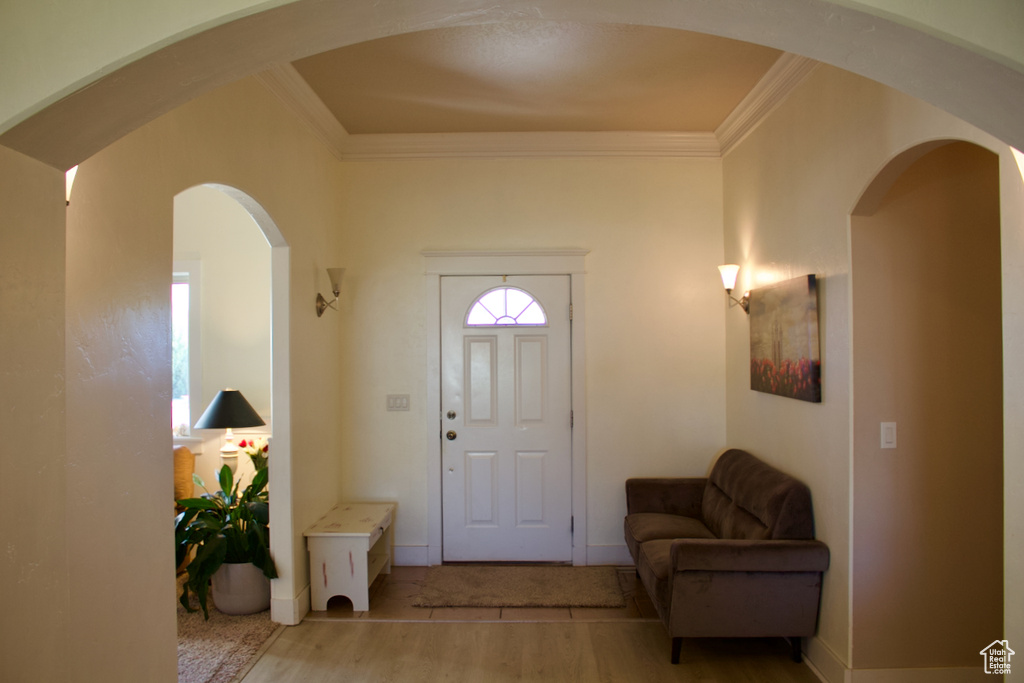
(619, 651)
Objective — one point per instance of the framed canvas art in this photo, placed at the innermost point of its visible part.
(785, 357)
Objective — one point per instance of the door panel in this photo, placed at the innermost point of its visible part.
(506, 421)
(481, 381)
(531, 378)
(482, 489)
(530, 488)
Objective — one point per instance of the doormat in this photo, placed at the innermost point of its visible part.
(520, 586)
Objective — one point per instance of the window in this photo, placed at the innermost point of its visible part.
(506, 306)
(185, 368)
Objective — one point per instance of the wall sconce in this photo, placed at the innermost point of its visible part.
(729, 273)
(335, 275)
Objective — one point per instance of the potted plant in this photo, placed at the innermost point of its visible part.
(229, 532)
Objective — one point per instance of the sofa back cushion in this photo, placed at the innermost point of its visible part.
(748, 499)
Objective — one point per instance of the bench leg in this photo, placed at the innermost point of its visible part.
(677, 645)
(795, 654)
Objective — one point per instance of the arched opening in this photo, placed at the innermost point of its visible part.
(966, 83)
(226, 238)
(927, 356)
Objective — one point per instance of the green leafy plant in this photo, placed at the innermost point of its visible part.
(229, 526)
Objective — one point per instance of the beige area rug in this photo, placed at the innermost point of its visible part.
(520, 586)
(222, 649)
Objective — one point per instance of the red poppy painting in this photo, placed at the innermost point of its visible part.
(784, 354)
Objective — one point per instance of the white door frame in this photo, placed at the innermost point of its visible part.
(539, 262)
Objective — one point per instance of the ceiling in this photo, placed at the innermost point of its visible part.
(532, 81)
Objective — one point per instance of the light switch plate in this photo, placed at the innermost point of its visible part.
(398, 402)
(888, 435)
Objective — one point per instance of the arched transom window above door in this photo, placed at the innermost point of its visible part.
(506, 307)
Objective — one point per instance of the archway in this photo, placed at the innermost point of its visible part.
(257, 307)
(927, 357)
(975, 87)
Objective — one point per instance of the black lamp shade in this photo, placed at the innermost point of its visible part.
(229, 410)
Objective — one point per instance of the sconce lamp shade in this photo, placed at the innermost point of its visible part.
(229, 410)
(335, 275)
(729, 273)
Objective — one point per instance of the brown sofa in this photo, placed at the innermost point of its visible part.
(729, 555)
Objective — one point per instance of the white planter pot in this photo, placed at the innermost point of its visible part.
(240, 589)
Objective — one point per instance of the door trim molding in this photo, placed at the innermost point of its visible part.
(522, 262)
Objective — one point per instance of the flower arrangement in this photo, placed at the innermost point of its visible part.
(257, 450)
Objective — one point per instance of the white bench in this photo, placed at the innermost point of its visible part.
(348, 548)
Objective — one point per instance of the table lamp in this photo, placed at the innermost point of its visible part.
(229, 410)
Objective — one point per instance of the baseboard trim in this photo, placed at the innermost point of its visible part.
(973, 674)
(827, 666)
(290, 611)
(410, 556)
(617, 555)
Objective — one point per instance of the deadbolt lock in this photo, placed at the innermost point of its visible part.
(451, 414)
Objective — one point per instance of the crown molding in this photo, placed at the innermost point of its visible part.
(532, 144)
(292, 89)
(288, 85)
(786, 73)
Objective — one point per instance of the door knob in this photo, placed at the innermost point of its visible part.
(451, 435)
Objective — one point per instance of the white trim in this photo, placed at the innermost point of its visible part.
(290, 611)
(541, 262)
(578, 327)
(284, 81)
(974, 674)
(292, 89)
(410, 556)
(827, 666)
(781, 79)
(614, 555)
(546, 262)
(193, 270)
(530, 144)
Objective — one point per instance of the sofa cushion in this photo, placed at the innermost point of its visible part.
(749, 499)
(648, 526)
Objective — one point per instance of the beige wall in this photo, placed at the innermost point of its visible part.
(928, 516)
(119, 269)
(34, 565)
(654, 320)
(789, 191)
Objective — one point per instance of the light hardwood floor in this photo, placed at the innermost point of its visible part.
(395, 641)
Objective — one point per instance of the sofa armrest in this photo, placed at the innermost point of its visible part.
(732, 555)
(667, 495)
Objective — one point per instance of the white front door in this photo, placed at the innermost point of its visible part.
(506, 419)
